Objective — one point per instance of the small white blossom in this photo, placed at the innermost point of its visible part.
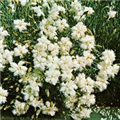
(68, 88)
(20, 25)
(3, 95)
(18, 69)
(78, 30)
(89, 10)
(38, 11)
(3, 33)
(20, 108)
(20, 50)
(111, 14)
(49, 108)
(61, 24)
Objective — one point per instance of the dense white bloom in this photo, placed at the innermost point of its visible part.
(23, 2)
(54, 49)
(40, 62)
(20, 108)
(69, 102)
(61, 24)
(101, 84)
(66, 62)
(20, 24)
(79, 63)
(108, 56)
(85, 84)
(67, 74)
(18, 69)
(114, 70)
(105, 69)
(89, 57)
(65, 45)
(37, 103)
(38, 11)
(40, 50)
(31, 91)
(49, 108)
(52, 76)
(87, 100)
(7, 56)
(78, 30)
(20, 50)
(61, 55)
(3, 95)
(68, 88)
(88, 42)
(111, 13)
(76, 5)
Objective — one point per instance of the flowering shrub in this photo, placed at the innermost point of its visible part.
(49, 60)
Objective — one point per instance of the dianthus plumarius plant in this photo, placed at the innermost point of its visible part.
(49, 61)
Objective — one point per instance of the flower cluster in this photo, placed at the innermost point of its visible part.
(49, 61)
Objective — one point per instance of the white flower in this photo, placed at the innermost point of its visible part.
(31, 91)
(20, 50)
(88, 42)
(51, 31)
(3, 33)
(69, 102)
(79, 63)
(66, 62)
(86, 84)
(54, 49)
(84, 113)
(3, 95)
(89, 10)
(65, 45)
(105, 69)
(101, 83)
(66, 75)
(20, 108)
(38, 11)
(20, 25)
(108, 56)
(87, 100)
(68, 88)
(23, 2)
(49, 108)
(89, 57)
(111, 14)
(114, 70)
(7, 56)
(76, 5)
(52, 76)
(37, 103)
(78, 30)
(40, 62)
(61, 24)
(18, 69)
